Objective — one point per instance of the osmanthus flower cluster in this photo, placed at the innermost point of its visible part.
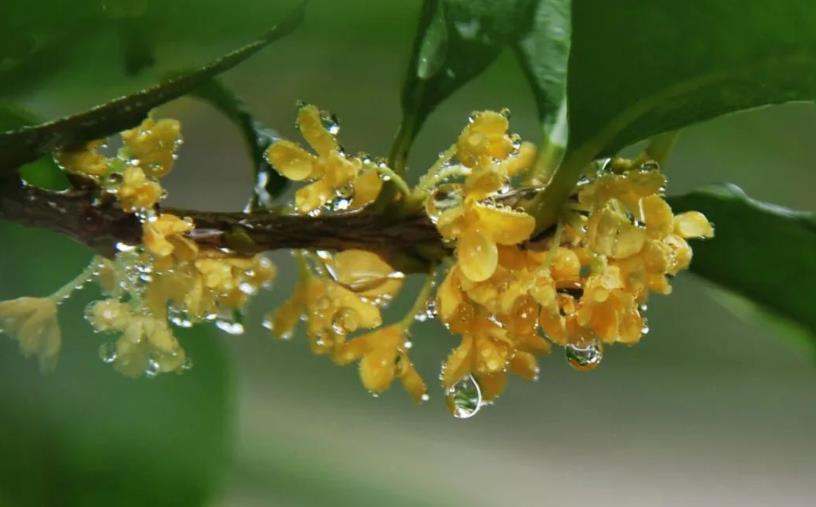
(509, 294)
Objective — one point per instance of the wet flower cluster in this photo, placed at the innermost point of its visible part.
(509, 293)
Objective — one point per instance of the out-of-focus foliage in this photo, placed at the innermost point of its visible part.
(86, 436)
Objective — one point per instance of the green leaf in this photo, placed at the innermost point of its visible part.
(87, 436)
(24, 145)
(458, 39)
(642, 67)
(268, 183)
(43, 172)
(639, 68)
(762, 252)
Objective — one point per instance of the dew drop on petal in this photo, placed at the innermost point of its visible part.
(107, 352)
(464, 399)
(584, 357)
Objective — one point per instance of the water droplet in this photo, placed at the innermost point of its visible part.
(464, 399)
(584, 357)
(645, 328)
(467, 29)
(650, 165)
(152, 368)
(444, 198)
(107, 352)
(124, 247)
(178, 317)
(345, 320)
(425, 397)
(229, 326)
(188, 364)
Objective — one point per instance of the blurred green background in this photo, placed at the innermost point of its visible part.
(707, 410)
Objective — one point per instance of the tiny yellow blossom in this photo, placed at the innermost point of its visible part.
(383, 355)
(331, 172)
(137, 192)
(84, 160)
(164, 236)
(33, 323)
(152, 145)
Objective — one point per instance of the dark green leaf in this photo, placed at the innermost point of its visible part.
(87, 436)
(543, 53)
(642, 67)
(457, 39)
(762, 252)
(268, 183)
(24, 145)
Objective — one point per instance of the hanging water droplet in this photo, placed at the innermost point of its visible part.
(107, 352)
(152, 368)
(464, 399)
(584, 357)
(425, 397)
(645, 328)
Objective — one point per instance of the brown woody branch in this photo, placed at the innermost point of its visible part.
(410, 242)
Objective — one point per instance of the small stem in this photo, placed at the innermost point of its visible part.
(420, 303)
(439, 170)
(398, 156)
(78, 281)
(399, 182)
(660, 147)
(551, 151)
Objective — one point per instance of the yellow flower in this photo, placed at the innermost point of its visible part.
(152, 145)
(33, 323)
(164, 237)
(366, 274)
(331, 312)
(145, 347)
(85, 160)
(331, 172)
(484, 140)
(137, 192)
(383, 355)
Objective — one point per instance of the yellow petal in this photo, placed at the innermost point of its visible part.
(693, 224)
(367, 274)
(657, 214)
(491, 385)
(449, 296)
(505, 225)
(458, 363)
(366, 188)
(311, 126)
(314, 195)
(477, 255)
(377, 369)
(411, 380)
(291, 161)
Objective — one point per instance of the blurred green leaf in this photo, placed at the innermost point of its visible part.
(641, 67)
(762, 252)
(87, 436)
(457, 39)
(268, 183)
(43, 172)
(24, 145)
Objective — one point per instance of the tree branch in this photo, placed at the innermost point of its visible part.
(410, 243)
